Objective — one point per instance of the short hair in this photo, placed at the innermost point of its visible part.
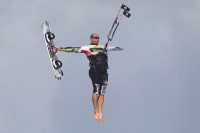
(91, 36)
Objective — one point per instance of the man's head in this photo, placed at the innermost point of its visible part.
(94, 38)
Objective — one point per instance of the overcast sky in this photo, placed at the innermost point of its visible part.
(153, 84)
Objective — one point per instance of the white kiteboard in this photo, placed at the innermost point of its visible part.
(55, 62)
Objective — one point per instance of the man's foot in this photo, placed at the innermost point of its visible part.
(95, 115)
(100, 118)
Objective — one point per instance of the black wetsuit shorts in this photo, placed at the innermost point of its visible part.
(99, 80)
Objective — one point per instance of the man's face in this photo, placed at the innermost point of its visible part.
(95, 39)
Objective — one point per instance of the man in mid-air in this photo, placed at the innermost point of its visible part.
(98, 61)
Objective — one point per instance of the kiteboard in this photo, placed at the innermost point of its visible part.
(55, 62)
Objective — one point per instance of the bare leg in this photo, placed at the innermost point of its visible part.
(95, 99)
(100, 106)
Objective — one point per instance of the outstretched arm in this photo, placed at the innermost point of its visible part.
(73, 50)
(112, 48)
(68, 49)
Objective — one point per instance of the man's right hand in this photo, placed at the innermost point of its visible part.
(56, 48)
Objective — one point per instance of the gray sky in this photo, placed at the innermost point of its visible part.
(153, 84)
